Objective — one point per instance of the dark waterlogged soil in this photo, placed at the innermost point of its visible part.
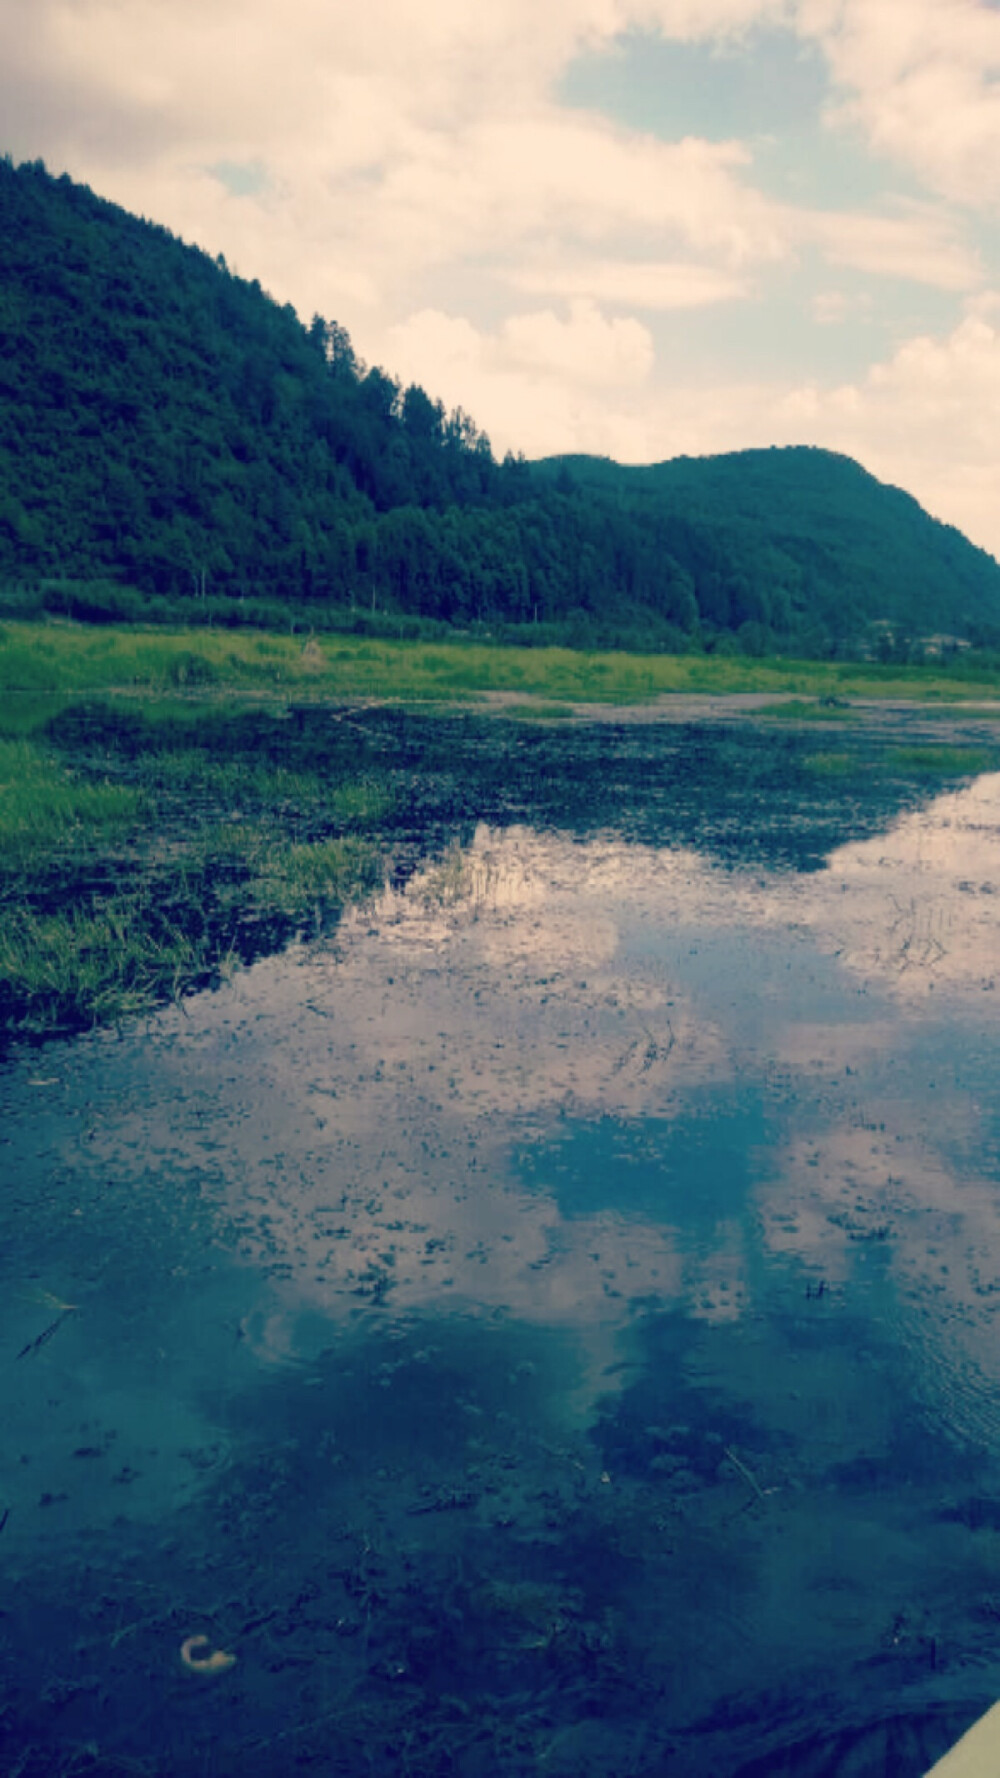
(547, 1324)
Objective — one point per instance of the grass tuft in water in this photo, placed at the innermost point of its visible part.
(116, 896)
(67, 969)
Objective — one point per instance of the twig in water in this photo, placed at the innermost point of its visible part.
(748, 1475)
(43, 1338)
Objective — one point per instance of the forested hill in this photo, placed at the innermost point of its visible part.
(165, 426)
(813, 533)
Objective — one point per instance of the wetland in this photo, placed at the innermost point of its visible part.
(517, 1293)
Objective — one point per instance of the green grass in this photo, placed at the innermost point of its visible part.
(115, 897)
(299, 879)
(909, 760)
(40, 661)
(45, 808)
(942, 761)
(71, 968)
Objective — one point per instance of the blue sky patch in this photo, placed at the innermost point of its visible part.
(245, 179)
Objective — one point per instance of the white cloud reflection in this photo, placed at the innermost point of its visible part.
(915, 907)
(421, 1109)
(919, 907)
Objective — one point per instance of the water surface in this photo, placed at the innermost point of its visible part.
(546, 1326)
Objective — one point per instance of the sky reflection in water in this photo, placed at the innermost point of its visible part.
(605, 1238)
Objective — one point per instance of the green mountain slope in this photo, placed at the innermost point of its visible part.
(166, 426)
(814, 529)
(163, 420)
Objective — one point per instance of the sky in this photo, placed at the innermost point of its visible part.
(639, 228)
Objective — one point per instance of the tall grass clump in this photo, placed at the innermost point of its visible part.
(71, 968)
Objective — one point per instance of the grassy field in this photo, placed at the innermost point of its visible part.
(43, 663)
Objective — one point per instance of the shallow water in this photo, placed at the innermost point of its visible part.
(550, 1325)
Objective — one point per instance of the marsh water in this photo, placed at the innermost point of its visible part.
(547, 1324)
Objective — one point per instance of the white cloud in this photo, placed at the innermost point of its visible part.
(921, 79)
(832, 308)
(586, 348)
(399, 141)
(923, 246)
(695, 20)
(640, 284)
(512, 182)
(539, 383)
